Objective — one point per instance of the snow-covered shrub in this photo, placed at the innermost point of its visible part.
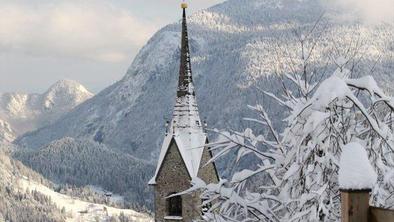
(298, 166)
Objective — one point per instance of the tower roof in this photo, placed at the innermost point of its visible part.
(186, 128)
(185, 70)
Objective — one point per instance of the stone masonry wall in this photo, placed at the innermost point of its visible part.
(207, 173)
(173, 178)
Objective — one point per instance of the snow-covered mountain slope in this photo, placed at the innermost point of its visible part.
(27, 196)
(15, 203)
(7, 134)
(233, 51)
(20, 112)
(82, 163)
(77, 210)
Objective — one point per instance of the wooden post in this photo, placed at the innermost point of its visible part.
(355, 205)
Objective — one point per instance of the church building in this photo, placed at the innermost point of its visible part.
(184, 153)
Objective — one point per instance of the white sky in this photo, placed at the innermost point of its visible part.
(91, 41)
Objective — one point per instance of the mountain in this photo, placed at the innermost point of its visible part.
(82, 163)
(234, 48)
(21, 112)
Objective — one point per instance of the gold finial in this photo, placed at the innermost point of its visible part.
(184, 5)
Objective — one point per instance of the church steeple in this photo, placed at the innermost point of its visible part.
(185, 70)
(186, 116)
(185, 127)
(184, 153)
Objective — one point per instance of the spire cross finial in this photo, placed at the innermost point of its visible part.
(184, 4)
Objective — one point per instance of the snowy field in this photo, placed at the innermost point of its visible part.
(78, 210)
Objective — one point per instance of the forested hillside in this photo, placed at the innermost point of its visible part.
(81, 163)
(27, 196)
(21, 205)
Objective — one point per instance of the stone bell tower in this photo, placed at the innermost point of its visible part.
(184, 152)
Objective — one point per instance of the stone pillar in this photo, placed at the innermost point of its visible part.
(355, 205)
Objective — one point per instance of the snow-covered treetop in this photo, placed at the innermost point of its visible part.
(355, 170)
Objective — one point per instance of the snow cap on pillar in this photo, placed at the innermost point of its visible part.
(355, 169)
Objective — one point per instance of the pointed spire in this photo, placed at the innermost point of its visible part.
(185, 71)
(186, 128)
(186, 118)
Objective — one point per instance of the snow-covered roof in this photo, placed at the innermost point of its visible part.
(186, 130)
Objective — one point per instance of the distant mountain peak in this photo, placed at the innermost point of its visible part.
(22, 112)
(68, 86)
(65, 93)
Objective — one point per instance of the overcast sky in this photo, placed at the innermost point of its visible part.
(95, 41)
(91, 41)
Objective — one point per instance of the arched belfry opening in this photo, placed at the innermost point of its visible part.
(184, 152)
